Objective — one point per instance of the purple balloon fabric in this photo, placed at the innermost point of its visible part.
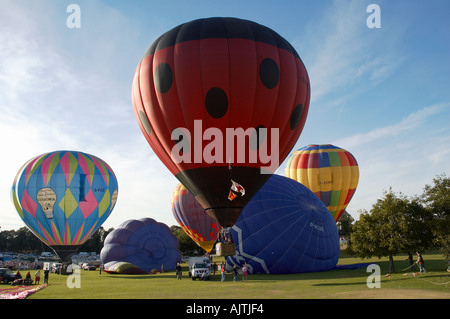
(144, 243)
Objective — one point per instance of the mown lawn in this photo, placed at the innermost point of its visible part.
(341, 284)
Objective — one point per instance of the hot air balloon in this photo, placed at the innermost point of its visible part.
(192, 218)
(328, 171)
(285, 229)
(64, 197)
(221, 101)
(143, 244)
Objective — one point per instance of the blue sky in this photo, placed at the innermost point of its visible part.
(381, 93)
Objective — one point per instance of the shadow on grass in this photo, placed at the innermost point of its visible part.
(432, 265)
(140, 277)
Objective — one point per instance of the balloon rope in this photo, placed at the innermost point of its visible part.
(231, 178)
(407, 267)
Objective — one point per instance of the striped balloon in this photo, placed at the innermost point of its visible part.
(64, 197)
(192, 218)
(330, 172)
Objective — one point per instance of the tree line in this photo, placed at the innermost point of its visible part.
(399, 224)
(24, 241)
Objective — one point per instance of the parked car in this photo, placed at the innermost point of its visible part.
(7, 275)
(89, 266)
(201, 271)
(56, 267)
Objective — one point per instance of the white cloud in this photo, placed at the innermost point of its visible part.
(410, 122)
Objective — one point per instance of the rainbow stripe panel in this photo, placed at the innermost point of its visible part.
(330, 172)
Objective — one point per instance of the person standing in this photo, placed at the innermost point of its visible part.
(420, 262)
(244, 272)
(46, 272)
(178, 270)
(235, 272)
(37, 277)
(222, 269)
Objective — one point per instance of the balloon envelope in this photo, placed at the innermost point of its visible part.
(220, 91)
(122, 267)
(144, 243)
(329, 171)
(64, 197)
(285, 229)
(192, 218)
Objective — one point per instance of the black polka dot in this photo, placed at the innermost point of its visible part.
(257, 137)
(216, 102)
(269, 73)
(295, 116)
(163, 77)
(145, 123)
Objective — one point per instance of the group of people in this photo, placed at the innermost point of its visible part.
(28, 281)
(244, 269)
(235, 272)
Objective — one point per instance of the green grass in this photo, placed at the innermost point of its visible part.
(323, 285)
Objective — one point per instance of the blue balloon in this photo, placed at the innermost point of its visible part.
(64, 197)
(285, 229)
(144, 243)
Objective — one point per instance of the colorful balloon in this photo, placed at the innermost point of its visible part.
(221, 100)
(330, 172)
(64, 197)
(192, 218)
(285, 229)
(144, 244)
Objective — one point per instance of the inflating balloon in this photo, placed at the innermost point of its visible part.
(192, 218)
(144, 243)
(285, 229)
(221, 101)
(64, 197)
(330, 172)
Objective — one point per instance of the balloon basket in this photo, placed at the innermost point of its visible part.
(225, 249)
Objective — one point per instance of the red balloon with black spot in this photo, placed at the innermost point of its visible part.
(214, 74)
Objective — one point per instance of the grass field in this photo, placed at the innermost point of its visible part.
(341, 284)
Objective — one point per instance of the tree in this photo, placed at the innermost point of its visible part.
(382, 231)
(418, 234)
(95, 242)
(395, 224)
(21, 240)
(186, 245)
(436, 198)
(344, 224)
